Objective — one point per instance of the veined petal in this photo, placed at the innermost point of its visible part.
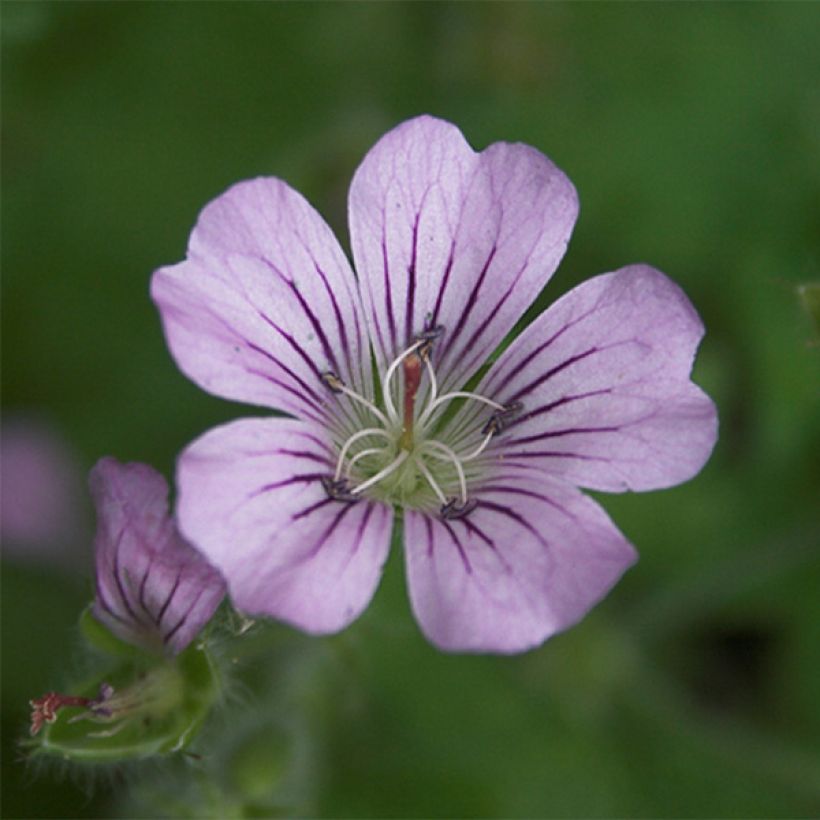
(153, 588)
(603, 377)
(265, 302)
(442, 235)
(251, 499)
(529, 561)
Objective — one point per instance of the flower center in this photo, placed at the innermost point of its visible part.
(424, 457)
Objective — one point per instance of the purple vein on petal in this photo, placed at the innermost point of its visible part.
(311, 316)
(515, 516)
(106, 604)
(506, 488)
(471, 302)
(297, 348)
(312, 508)
(328, 351)
(388, 298)
(476, 530)
(570, 431)
(546, 408)
(306, 454)
(428, 524)
(552, 454)
(411, 284)
(491, 314)
(313, 397)
(544, 377)
(141, 596)
(304, 478)
(322, 539)
(171, 594)
(511, 374)
(459, 546)
(179, 624)
(343, 340)
(359, 535)
(444, 280)
(119, 581)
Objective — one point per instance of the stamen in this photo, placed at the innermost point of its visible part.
(480, 448)
(338, 490)
(369, 431)
(451, 456)
(501, 417)
(431, 481)
(390, 468)
(428, 337)
(388, 398)
(370, 451)
(452, 511)
(457, 394)
(337, 386)
(431, 374)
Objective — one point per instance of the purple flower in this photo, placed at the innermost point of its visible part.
(392, 410)
(153, 589)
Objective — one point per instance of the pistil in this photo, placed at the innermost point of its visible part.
(412, 379)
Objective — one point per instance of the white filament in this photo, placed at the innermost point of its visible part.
(480, 448)
(342, 388)
(456, 394)
(390, 468)
(451, 456)
(369, 431)
(370, 451)
(431, 481)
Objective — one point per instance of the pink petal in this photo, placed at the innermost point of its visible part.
(265, 302)
(442, 235)
(153, 588)
(529, 561)
(251, 499)
(603, 377)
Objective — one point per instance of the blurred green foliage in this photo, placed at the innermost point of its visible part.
(691, 132)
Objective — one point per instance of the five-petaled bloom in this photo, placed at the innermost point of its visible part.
(392, 408)
(153, 589)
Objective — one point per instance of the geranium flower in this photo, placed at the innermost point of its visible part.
(382, 373)
(153, 589)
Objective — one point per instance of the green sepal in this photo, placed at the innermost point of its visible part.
(159, 706)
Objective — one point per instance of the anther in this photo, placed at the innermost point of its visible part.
(452, 510)
(335, 384)
(338, 489)
(428, 337)
(500, 418)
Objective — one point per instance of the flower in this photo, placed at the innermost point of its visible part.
(153, 589)
(392, 409)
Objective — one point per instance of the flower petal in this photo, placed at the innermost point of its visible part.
(529, 561)
(603, 376)
(153, 588)
(265, 302)
(251, 499)
(442, 235)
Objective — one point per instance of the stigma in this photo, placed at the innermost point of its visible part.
(425, 455)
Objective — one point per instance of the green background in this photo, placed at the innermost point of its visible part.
(691, 133)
